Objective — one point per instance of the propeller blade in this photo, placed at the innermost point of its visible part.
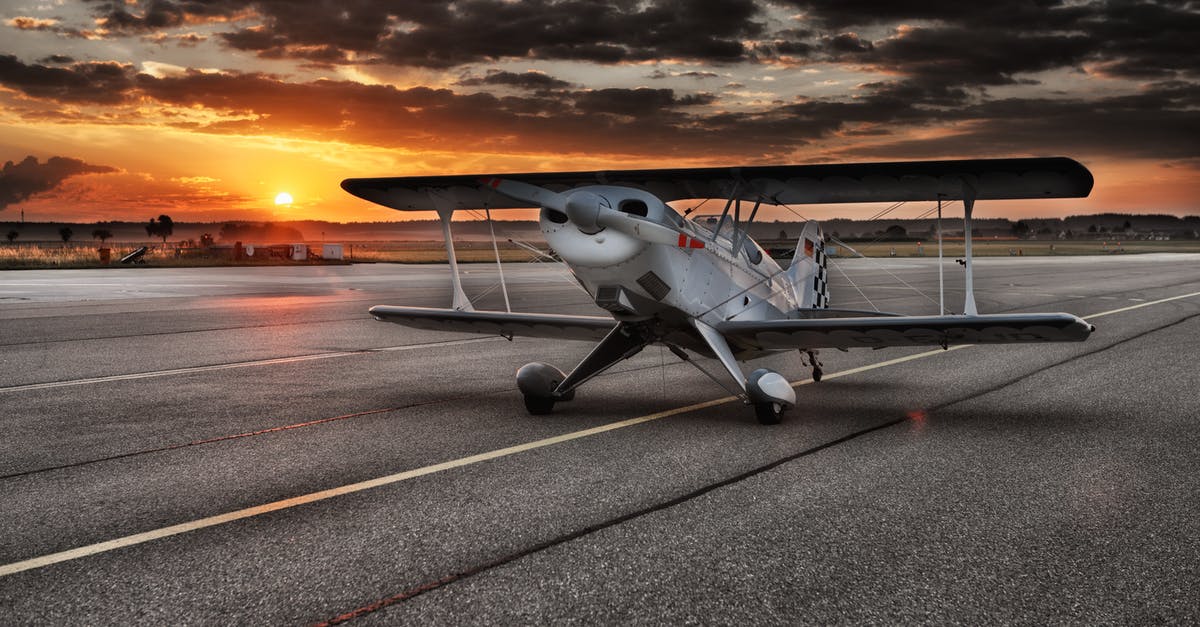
(532, 194)
(586, 213)
(646, 230)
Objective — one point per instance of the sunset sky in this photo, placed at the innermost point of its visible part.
(208, 109)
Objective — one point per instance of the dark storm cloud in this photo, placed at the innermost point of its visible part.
(1140, 40)
(641, 102)
(698, 75)
(157, 14)
(116, 16)
(255, 39)
(437, 34)
(844, 14)
(961, 56)
(532, 80)
(19, 181)
(99, 83)
(1159, 121)
(627, 121)
(791, 43)
(844, 43)
(986, 43)
(949, 42)
(601, 32)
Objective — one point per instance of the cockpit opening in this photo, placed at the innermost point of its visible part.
(633, 206)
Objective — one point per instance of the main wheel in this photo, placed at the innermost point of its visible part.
(538, 405)
(769, 413)
(817, 373)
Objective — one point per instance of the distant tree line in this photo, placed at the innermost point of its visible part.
(258, 232)
(163, 227)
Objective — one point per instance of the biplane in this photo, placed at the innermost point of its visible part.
(703, 286)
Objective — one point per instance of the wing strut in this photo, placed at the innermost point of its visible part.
(941, 281)
(499, 266)
(733, 193)
(445, 209)
(767, 390)
(460, 300)
(745, 232)
(968, 206)
(717, 344)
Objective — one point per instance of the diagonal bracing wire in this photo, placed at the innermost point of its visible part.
(838, 267)
(878, 264)
(491, 288)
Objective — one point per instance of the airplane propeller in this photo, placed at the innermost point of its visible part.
(589, 215)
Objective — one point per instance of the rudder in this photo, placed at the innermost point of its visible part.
(808, 274)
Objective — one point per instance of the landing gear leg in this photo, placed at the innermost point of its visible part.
(766, 390)
(544, 385)
(812, 360)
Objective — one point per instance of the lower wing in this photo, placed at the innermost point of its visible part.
(884, 331)
(498, 322)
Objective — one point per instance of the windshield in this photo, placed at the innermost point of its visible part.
(708, 223)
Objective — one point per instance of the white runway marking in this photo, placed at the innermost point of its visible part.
(241, 364)
(220, 519)
(1146, 304)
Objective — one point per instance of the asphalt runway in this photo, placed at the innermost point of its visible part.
(247, 445)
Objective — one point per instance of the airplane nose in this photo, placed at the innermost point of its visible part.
(583, 209)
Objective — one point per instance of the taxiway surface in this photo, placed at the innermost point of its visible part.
(200, 445)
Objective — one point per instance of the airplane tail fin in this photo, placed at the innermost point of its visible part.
(808, 273)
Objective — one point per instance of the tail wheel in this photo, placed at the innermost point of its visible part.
(769, 413)
(538, 405)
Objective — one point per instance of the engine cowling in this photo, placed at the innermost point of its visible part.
(598, 249)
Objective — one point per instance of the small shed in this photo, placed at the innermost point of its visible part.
(331, 251)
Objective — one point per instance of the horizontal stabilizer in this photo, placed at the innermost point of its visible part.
(498, 322)
(884, 331)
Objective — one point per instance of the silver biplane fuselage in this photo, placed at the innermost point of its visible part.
(707, 275)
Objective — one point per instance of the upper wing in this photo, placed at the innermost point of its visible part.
(1043, 177)
(879, 332)
(498, 322)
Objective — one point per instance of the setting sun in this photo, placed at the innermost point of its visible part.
(283, 198)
